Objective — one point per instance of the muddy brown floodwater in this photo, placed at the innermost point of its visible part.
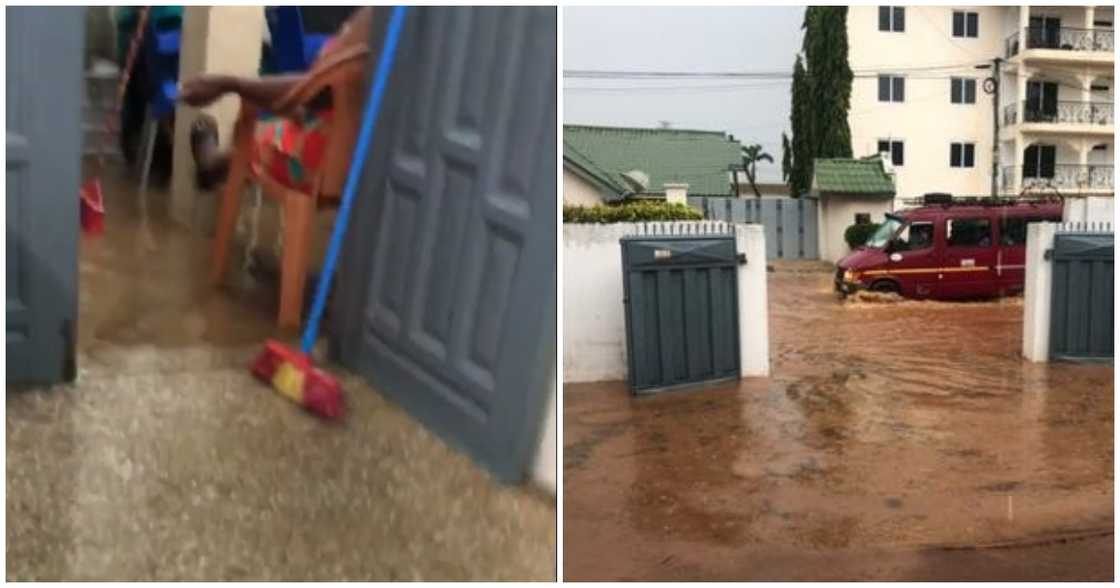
(894, 440)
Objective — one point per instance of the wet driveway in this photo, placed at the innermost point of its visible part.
(895, 439)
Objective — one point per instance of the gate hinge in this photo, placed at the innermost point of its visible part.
(742, 259)
(1048, 254)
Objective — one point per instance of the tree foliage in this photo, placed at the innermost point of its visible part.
(820, 96)
(752, 154)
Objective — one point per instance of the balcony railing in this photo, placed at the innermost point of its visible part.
(1070, 112)
(1064, 38)
(1065, 176)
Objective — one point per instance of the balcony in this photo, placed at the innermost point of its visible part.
(1059, 39)
(1068, 177)
(1068, 112)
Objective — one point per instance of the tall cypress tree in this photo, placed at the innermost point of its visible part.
(801, 140)
(820, 95)
(830, 79)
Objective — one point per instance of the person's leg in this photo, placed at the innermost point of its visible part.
(211, 164)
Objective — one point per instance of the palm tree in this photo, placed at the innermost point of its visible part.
(752, 154)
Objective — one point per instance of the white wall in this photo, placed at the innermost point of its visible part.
(580, 192)
(594, 324)
(926, 121)
(1091, 209)
(836, 214)
(594, 315)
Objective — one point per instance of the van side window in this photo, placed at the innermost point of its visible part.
(914, 236)
(968, 232)
(1013, 231)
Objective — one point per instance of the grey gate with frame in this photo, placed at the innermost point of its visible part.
(682, 310)
(1081, 302)
(447, 291)
(45, 47)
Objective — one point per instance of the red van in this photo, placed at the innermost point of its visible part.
(948, 248)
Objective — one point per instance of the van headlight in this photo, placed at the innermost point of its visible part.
(851, 275)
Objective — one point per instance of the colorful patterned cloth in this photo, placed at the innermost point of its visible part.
(291, 150)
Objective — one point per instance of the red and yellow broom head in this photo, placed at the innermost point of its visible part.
(291, 374)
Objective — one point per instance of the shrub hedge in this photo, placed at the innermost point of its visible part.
(630, 212)
(857, 235)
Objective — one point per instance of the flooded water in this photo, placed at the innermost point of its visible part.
(143, 281)
(890, 430)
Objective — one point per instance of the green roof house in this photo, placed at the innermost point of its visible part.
(849, 191)
(612, 163)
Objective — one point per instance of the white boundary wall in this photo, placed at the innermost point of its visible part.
(594, 319)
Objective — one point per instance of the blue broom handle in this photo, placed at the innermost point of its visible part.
(365, 136)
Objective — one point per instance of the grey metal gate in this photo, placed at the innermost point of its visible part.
(790, 223)
(682, 309)
(447, 291)
(44, 149)
(1081, 308)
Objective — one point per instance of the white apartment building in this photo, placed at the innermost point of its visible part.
(919, 95)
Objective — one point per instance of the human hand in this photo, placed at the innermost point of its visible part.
(204, 89)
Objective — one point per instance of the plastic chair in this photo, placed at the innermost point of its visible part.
(343, 74)
(293, 48)
(161, 58)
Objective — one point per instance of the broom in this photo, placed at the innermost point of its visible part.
(90, 198)
(289, 371)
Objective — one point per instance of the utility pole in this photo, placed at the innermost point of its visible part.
(991, 86)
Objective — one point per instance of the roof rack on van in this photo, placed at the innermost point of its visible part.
(945, 199)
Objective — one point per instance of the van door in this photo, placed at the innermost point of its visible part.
(913, 259)
(969, 257)
(1012, 253)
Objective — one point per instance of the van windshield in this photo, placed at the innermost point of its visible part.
(879, 238)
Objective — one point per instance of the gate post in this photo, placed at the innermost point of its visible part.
(1036, 292)
(754, 329)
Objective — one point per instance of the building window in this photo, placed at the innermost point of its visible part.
(1100, 147)
(962, 90)
(1038, 161)
(966, 24)
(968, 232)
(894, 147)
(962, 155)
(892, 88)
(1104, 24)
(892, 19)
(863, 218)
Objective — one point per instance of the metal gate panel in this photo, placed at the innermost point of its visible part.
(1081, 309)
(448, 287)
(682, 314)
(43, 171)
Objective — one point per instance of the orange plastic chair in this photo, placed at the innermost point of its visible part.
(343, 73)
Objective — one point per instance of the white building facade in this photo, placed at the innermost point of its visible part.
(920, 94)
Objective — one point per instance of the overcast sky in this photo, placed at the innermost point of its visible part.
(684, 39)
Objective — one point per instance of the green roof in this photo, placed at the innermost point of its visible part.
(852, 176)
(668, 156)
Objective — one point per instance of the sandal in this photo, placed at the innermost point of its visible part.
(204, 140)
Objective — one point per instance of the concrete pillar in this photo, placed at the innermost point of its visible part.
(1090, 12)
(1036, 294)
(1021, 76)
(1017, 158)
(1024, 22)
(754, 329)
(676, 193)
(215, 39)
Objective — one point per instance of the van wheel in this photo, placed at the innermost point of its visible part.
(885, 286)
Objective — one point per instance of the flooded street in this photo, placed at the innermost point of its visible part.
(894, 440)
